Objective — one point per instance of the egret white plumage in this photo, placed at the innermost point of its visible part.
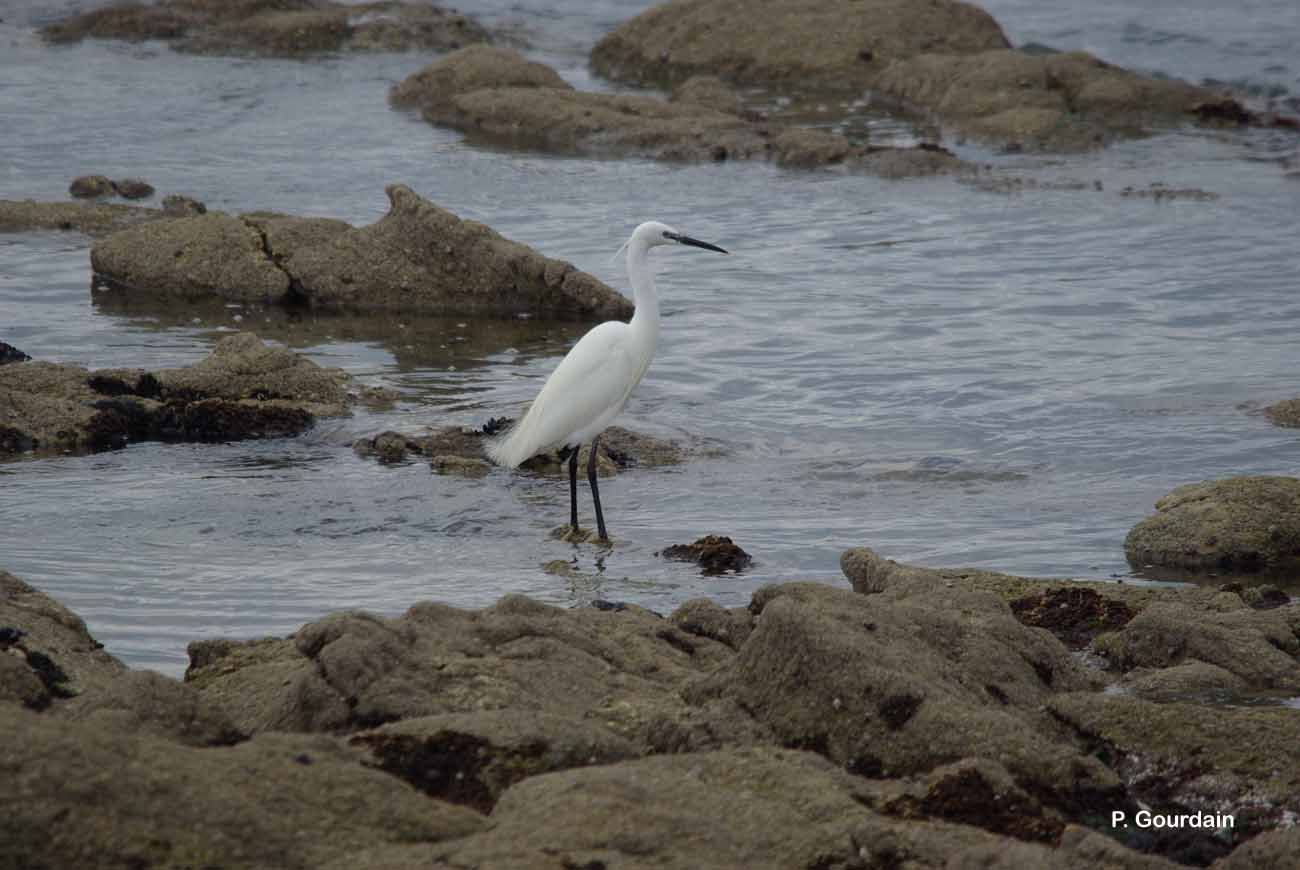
(592, 383)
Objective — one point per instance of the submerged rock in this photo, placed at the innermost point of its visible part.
(1241, 524)
(461, 450)
(418, 258)
(244, 389)
(276, 28)
(496, 94)
(715, 554)
(945, 58)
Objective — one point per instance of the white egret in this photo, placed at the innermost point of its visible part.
(592, 383)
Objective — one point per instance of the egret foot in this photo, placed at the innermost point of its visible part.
(580, 535)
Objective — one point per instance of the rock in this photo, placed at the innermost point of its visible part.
(91, 218)
(175, 205)
(709, 91)
(46, 653)
(92, 186)
(1161, 192)
(133, 188)
(978, 792)
(889, 686)
(138, 800)
(244, 389)
(276, 28)
(1193, 680)
(1190, 758)
(758, 808)
(265, 685)
(944, 58)
(497, 95)
(1285, 413)
(619, 669)
(1076, 616)
(472, 758)
(192, 258)
(702, 617)
(418, 258)
(473, 68)
(1260, 647)
(1265, 597)
(1239, 524)
(840, 45)
(715, 554)
(10, 354)
(460, 450)
(1271, 850)
(1070, 101)
(144, 702)
(241, 367)
(421, 257)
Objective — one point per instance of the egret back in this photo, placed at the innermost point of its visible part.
(589, 386)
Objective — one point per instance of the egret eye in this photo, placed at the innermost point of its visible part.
(667, 235)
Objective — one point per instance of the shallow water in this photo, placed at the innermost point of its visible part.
(951, 376)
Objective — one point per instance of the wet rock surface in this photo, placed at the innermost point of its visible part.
(816, 727)
(276, 28)
(461, 450)
(715, 554)
(1076, 616)
(1241, 524)
(417, 258)
(244, 389)
(947, 59)
(497, 95)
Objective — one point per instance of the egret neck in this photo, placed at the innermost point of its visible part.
(644, 329)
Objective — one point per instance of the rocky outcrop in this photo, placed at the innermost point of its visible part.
(91, 218)
(244, 389)
(815, 728)
(715, 554)
(417, 258)
(841, 45)
(276, 28)
(495, 94)
(946, 59)
(1241, 524)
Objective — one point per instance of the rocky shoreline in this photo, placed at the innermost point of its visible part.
(921, 720)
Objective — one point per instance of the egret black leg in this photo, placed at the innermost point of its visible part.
(573, 488)
(595, 490)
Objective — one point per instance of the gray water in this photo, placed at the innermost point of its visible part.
(951, 376)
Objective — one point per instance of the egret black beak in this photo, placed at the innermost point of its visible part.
(695, 243)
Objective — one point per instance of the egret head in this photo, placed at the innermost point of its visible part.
(653, 233)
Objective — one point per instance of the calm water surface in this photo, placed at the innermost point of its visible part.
(951, 376)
